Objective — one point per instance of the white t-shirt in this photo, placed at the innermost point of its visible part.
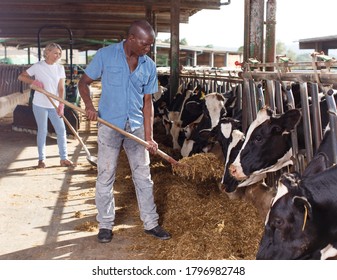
(50, 76)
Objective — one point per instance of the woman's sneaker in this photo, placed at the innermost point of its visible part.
(41, 164)
(66, 163)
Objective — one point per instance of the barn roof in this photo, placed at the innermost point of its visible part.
(319, 43)
(93, 23)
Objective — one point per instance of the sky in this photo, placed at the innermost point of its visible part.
(295, 19)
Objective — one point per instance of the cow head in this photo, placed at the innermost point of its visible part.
(215, 107)
(295, 228)
(288, 227)
(192, 107)
(203, 136)
(267, 146)
(231, 140)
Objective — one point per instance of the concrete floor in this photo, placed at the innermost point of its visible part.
(48, 213)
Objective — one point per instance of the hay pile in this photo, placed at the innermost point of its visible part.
(205, 224)
(199, 167)
(203, 221)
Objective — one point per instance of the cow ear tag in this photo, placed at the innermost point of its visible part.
(305, 216)
(306, 204)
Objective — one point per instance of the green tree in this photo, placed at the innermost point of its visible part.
(90, 57)
(183, 42)
(280, 48)
(291, 54)
(162, 60)
(303, 57)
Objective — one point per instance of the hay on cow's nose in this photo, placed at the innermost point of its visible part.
(199, 167)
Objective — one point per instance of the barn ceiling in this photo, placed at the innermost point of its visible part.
(91, 22)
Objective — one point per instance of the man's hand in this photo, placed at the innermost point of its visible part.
(152, 146)
(91, 112)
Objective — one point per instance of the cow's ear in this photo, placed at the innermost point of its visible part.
(317, 165)
(237, 124)
(205, 133)
(290, 180)
(290, 119)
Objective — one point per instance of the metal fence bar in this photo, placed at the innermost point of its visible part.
(247, 110)
(294, 136)
(325, 78)
(278, 97)
(333, 121)
(9, 82)
(239, 97)
(252, 99)
(306, 121)
(260, 96)
(271, 94)
(316, 116)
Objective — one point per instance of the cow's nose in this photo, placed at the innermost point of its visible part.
(232, 170)
(226, 189)
(222, 187)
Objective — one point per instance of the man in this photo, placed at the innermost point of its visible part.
(129, 79)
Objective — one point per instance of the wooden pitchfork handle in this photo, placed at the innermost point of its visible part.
(121, 131)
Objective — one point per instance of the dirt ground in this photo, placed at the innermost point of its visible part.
(50, 213)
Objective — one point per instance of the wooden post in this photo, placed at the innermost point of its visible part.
(254, 29)
(150, 17)
(28, 53)
(270, 33)
(246, 31)
(174, 51)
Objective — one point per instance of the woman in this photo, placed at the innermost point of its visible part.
(50, 76)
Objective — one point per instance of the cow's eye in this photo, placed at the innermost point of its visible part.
(257, 138)
(278, 222)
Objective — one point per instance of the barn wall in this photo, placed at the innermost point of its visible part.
(221, 59)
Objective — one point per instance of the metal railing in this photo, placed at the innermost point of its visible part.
(9, 82)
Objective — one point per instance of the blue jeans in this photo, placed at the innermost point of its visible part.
(109, 146)
(41, 116)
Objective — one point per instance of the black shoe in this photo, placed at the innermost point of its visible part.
(159, 232)
(104, 235)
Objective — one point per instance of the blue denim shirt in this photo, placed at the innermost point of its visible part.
(122, 91)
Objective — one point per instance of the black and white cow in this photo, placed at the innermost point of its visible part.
(268, 145)
(215, 127)
(302, 222)
(161, 101)
(326, 145)
(231, 138)
(252, 189)
(202, 137)
(185, 109)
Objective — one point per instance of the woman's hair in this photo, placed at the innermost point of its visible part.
(50, 47)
